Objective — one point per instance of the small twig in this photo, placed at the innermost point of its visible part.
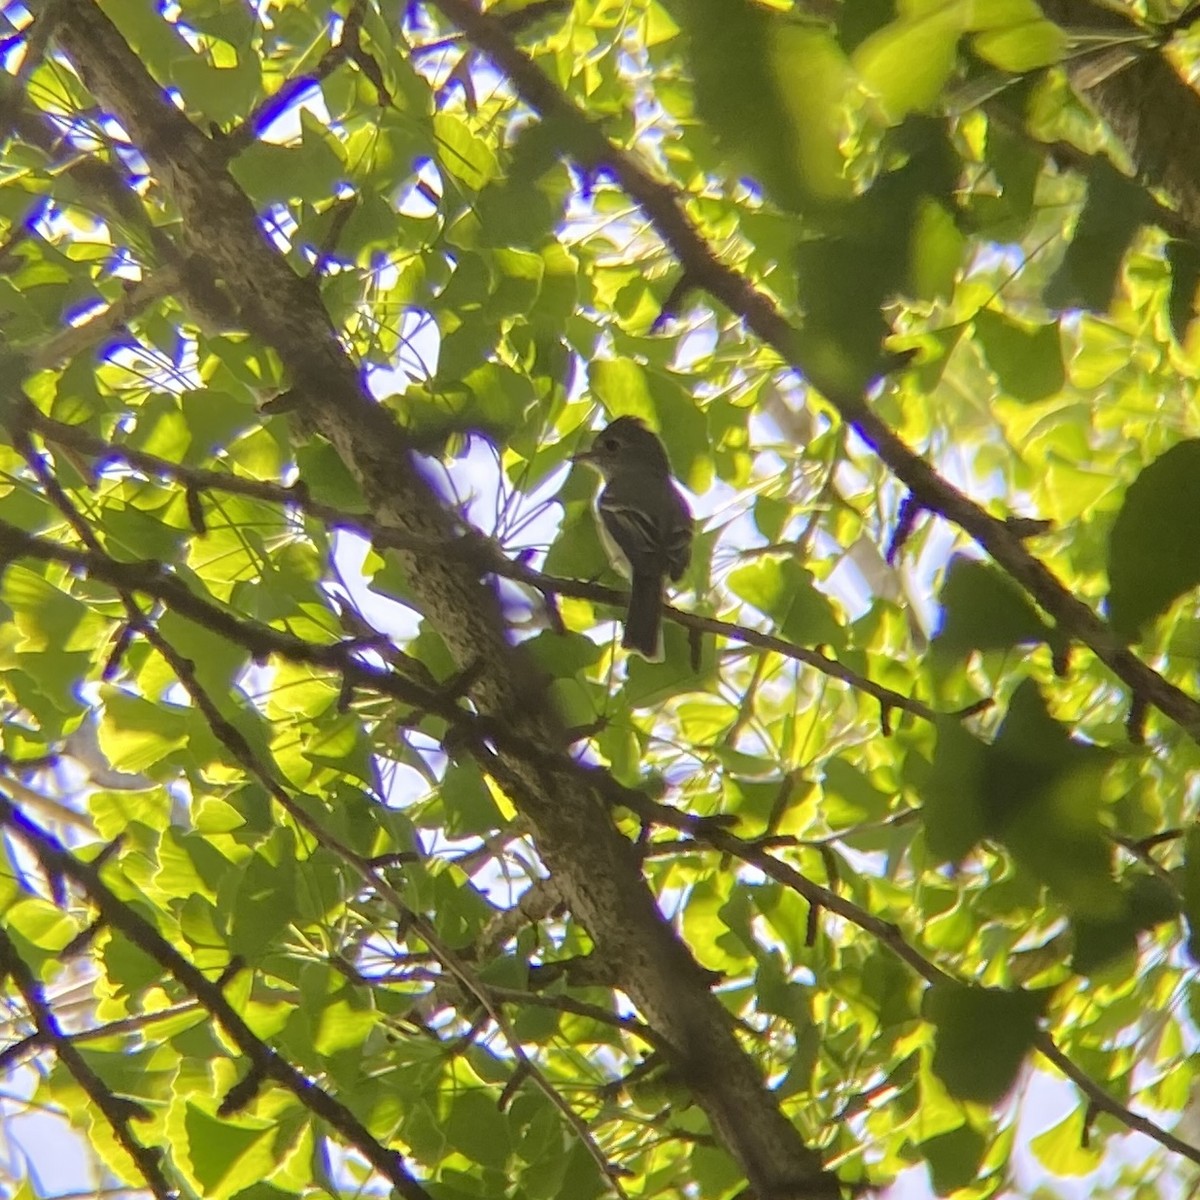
(137, 1024)
(54, 856)
(1098, 1098)
(118, 1111)
(472, 546)
(75, 339)
(580, 1008)
(891, 936)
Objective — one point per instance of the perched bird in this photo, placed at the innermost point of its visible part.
(645, 524)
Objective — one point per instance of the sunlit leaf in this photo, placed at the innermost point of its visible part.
(1028, 362)
(982, 609)
(314, 657)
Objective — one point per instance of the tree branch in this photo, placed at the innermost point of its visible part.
(117, 1110)
(241, 751)
(74, 339)
(1132, 102)
(726, 284)
(58, 860)
(890, 935)
(473, 547)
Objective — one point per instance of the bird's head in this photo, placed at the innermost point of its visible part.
(624, 443)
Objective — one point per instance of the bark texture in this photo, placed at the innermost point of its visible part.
(593, 865)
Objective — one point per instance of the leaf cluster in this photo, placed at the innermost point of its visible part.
(914, 823)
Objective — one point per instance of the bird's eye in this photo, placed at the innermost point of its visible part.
(611, 443)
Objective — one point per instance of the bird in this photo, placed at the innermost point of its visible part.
(645, 524)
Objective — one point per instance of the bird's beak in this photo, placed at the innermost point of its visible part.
(584, 456)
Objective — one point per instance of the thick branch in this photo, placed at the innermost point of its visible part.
(596, 867)
(1150, 108)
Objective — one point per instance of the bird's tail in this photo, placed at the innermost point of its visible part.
(643, 621)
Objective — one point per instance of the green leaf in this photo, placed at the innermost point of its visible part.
(650, 685)
(896, 238)
(1154, 546)
(982, 1036)
(1039, 794)
(1183, 258)
(1024, 47)
(141, 527)
(582, 1181)
(137, 735)
(326, 477)
(849, 797)
(716, 1172)
(621, 386)
(214, 419)
(1147, 901)
(464, 155)
(1098, 943)
(159, 44)
(714, 929)
(748, 64)
(189, 864)
(1034, 790)
(953, 807)
(275, 174)
(468, 803)
(907, 62)
(1017, 166)
(129, 969)
(223, 91)
(1028, 362)
(342, 745)
(45, 615)
(937, 251)
(1152, 900)
(476, 1127)
(786, 592)
(161, 428)
(685, 433)
(217, 660)
(226, 1156)
(1066, 1148)
(42, 924)
(1116, 209)
(954, 1158)
(983, 609)
(343, 1024)
(261, 902)
(499, 398)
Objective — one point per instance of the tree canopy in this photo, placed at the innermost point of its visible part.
(324, 781)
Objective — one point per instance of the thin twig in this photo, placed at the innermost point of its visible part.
(117, 1110)
(664, 207)
(75, 339)
(471, 545)
(890, 935)
(57, 859)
